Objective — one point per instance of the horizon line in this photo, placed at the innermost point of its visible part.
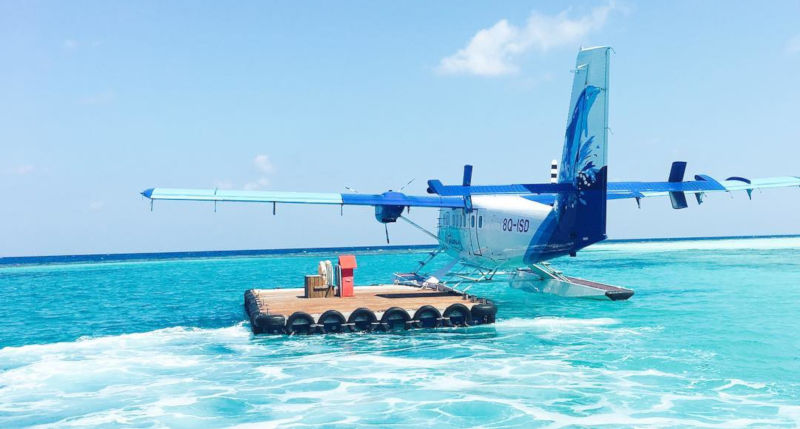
(187, 254)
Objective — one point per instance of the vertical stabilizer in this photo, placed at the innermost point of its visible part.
(582, 213)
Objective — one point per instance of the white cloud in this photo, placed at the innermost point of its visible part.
(793, 45)
(70, 44)
(21, 170)
(223, 184)
(261, 183)
(96, 205)
(262, 163)
(493, 51)
(264, 166)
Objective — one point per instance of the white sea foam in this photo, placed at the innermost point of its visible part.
(554, 323)
(620, 418)
(177, 375)
(791, 412)
(736, 382)
(269, 424)
(704, 244)
(273, 372)
(372, 360)
(151, 338)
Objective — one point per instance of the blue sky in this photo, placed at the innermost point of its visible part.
(103, 99)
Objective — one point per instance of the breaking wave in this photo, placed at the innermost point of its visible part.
(227, 378)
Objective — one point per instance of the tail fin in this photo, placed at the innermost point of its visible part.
(583, 164)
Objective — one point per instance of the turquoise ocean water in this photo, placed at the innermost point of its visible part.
(711, 339)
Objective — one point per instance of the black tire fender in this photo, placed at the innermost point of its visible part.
(300, 322)
(362, 319)
(457, 315)
(395, 317)
(483, 313)
(427, 316)
(270, 323)
(332, 322)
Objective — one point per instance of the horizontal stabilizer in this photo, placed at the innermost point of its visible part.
(701, 185)
(676, 173)
(678, 200)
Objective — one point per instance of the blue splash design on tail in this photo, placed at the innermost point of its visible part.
(577, 156)
(556, 235)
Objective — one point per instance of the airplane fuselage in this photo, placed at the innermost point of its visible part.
(499, 231)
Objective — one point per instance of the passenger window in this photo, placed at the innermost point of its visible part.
(472, 221)
(480, 221)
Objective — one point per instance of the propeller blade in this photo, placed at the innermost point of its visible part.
(409, 182)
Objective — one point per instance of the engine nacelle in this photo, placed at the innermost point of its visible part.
(389, 213)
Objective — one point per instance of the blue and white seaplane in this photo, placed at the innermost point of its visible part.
(515, 229)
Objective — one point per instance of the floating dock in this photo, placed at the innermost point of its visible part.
(371, 308)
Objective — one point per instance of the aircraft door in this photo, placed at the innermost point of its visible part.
(475, 224)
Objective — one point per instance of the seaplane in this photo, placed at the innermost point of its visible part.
(515, 229)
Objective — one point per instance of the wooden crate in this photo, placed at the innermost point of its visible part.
(315, 287)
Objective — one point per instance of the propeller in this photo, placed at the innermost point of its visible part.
(404, 186)
(385, 213)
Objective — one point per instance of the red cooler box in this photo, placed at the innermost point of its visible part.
(347, 263)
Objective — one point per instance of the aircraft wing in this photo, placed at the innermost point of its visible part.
(442, 196)
(701, 185)
(385, 199)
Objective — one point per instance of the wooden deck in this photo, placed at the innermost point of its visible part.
(386, 307)
(376, 298)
